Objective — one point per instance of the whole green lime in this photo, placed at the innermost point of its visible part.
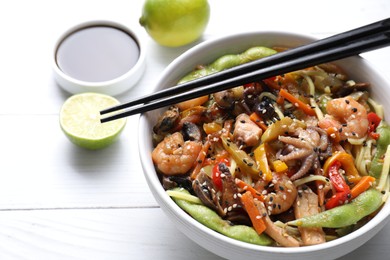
(175, 23)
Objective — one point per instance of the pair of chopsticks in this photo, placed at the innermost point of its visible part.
(353, 42)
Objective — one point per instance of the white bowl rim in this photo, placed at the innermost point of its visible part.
(381, 218)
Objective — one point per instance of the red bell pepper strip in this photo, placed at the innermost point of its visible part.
(343, 192)
(373, 122)
(216, 174)
(338, 199)
(336, 178)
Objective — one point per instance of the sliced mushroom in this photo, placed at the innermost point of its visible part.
(167, 121)
(230, 201)
(226, 98)
(206, 191)
(191, 132)
(173, 181)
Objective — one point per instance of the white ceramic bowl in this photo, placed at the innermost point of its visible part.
(221, 245)
(115, 86)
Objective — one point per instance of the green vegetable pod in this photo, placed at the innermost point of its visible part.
(212, 220)
(229, 61)
(381, 146)
(345, 215)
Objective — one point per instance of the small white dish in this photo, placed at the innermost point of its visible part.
(98, 56)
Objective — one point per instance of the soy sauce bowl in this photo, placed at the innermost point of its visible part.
(98, 56)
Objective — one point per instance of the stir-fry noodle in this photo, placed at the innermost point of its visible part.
(285, 161)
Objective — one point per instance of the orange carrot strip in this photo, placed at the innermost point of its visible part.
(243, 185)
(200, 160)
(258, 121)
(363, 185)
(298, 103)
(253, 212)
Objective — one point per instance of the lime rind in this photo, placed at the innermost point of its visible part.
(80, 121)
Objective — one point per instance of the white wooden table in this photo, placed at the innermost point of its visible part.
(58, 201)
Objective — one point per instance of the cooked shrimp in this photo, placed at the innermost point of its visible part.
(279, 194)
(173, 156)
(347, 117)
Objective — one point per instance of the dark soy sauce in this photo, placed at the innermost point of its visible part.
(97, 53)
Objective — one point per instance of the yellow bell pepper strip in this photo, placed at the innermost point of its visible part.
(279, 166)
(347, 164)
(261, 159)
(243, 160)
(306, 108)
(210, 128)
(280, 127)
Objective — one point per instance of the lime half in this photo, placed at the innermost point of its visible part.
(80, 120)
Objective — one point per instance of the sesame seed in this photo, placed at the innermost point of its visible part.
(258, 217)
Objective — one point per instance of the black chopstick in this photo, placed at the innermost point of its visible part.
(343, 45)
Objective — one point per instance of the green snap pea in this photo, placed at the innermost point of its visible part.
(381, 146)
(211, 219)
(229, 61)
(345, 215)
